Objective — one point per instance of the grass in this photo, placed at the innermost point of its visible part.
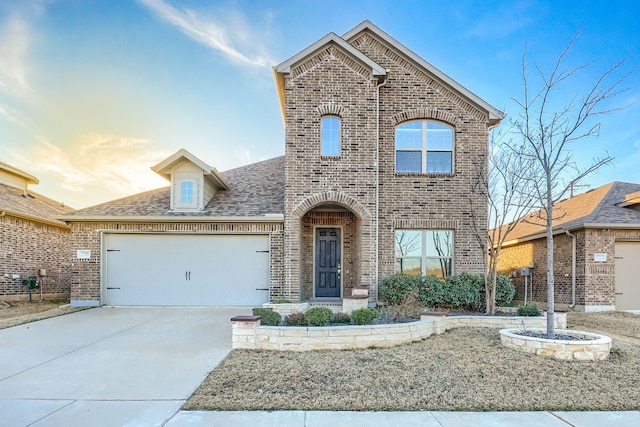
(461, 370)
(21, 312)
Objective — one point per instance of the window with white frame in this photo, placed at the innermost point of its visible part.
(186, 192)
(424, 252)
(330, 129)
(424, 146)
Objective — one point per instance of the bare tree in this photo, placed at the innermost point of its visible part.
(406, 243)
(507, 188)
(549, 127)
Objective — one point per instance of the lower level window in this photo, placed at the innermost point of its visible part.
(424, 252)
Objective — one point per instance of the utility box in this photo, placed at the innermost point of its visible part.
(524, 271)
(30, 282)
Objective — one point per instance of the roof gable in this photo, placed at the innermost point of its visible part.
(495, 115)
(165, 168)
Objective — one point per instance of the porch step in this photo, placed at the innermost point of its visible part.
(334, 305)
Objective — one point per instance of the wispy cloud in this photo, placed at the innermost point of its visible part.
(119, 164)
(15, 39)
(232, 36)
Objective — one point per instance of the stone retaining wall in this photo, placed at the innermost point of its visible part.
(596, 348)
(248, 334)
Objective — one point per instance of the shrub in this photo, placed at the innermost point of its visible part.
(410, 307)
(395, 288)
(529, 309)
(505, 291)
(364, 316)
(464, 291)
(267, 317)
(295, 319)
(341, 318)
(319, 316)
(282, 301)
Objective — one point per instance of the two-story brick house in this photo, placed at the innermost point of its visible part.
(381, 150)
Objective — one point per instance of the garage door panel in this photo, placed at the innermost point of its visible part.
(627, 258)
(148, 269)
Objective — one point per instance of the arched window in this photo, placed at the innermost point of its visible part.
(424, 146)
(330, 129)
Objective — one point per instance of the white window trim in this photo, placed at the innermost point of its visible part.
(424, 149)
(322, 153)
(424, 257)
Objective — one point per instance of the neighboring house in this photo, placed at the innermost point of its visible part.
(596, 249)
(381, 151)
(32, 241)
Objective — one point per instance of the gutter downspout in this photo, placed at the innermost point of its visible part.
(378, 183)
(573, 268)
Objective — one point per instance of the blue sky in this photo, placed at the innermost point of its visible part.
(95, 92)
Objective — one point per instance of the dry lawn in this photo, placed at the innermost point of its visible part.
(16, 313)
(461, 370)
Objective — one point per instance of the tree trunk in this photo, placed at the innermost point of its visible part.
(551, 333)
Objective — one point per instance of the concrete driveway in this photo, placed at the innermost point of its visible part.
(109, 366)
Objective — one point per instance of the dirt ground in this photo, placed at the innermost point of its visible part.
(461, 370)
(16, 313)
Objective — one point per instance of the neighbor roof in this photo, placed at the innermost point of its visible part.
(256, 192)
(601, 207)
(31, 206)
(30, 179)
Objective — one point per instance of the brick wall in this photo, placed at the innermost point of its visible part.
(329, 82)
(85, 284)
(25, 248)
(595, 281)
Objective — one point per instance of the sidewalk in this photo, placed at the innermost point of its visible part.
(422, 419)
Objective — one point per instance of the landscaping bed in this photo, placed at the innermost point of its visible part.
(16, 313)
(464, 369)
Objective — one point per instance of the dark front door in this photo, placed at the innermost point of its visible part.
(328, 262)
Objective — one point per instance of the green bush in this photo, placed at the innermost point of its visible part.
(505, 291)
(395, 288)
(463, 292)
(295, 319)
(529, 309)
(267, 317)
(364, 316)
(319, 316)
(342, 318)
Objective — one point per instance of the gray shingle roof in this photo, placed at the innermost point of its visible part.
(255, 190)
(597, 206)
(32, 204)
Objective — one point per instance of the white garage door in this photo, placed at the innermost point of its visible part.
(161, 269)
(627, 279)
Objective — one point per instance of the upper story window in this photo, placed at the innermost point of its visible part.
(424, 146)
(330, 129)
(187, 195)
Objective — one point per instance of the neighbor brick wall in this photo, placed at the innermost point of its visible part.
(85, 284)
(331, 82)
(26, 247)
(595, 281)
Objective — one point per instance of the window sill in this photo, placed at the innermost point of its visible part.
(336, 157)
(425, 175)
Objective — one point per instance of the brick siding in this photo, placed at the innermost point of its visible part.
(595, 281)
(26, 247)
(330, 82)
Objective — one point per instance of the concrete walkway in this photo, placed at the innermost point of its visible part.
(137, 366)
(109, 366)
(422, 419)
